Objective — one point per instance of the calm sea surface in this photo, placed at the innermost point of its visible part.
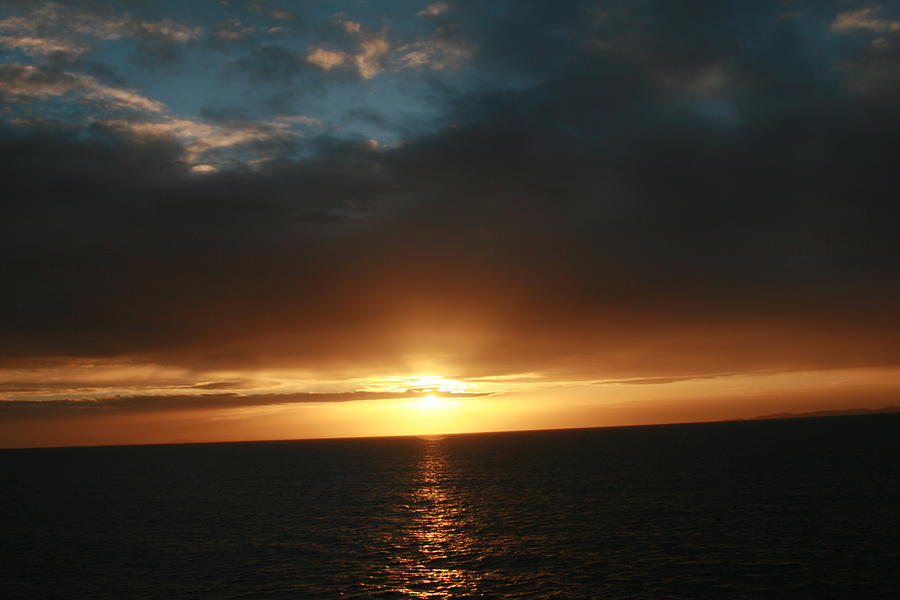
(805, 508)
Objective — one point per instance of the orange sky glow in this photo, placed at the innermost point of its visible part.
(403, 405)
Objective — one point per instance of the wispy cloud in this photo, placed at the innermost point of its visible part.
(660, 380)
(157, 403)
(65, 21)
(874, 74)
(27, 82)
(233, 30)
(864, 18)
(433, 10)
(439, 51)
(144, 117)
(436, 53)
(368, 61)
(201, 138)
(270, 10)
(327, 59)
(42, 46)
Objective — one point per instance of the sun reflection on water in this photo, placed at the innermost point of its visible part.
(436, 542)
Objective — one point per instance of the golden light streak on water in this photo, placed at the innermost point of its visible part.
(437, 530)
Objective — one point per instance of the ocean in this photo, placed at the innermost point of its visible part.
(798, 508)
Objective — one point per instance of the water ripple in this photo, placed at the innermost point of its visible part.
(704, 511)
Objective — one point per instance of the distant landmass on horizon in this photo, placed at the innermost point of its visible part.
(832, 413)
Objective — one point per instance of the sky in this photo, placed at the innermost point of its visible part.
(275, 220)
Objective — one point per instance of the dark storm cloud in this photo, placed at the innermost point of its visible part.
(658, 189)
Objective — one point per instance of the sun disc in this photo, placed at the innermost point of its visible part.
(432, 402)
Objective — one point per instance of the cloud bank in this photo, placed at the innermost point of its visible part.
(651, 191)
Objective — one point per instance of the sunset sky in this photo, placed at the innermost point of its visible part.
(228, 220)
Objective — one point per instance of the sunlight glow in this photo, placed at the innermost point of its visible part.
(434, 383)
(424, 384)
(432, 402)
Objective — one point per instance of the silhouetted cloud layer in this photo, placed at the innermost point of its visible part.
(13, 409)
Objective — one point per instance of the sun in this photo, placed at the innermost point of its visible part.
(432, 402)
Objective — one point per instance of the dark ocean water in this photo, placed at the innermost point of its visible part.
(804, 508)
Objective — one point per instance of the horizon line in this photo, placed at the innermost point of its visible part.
(862, 412)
